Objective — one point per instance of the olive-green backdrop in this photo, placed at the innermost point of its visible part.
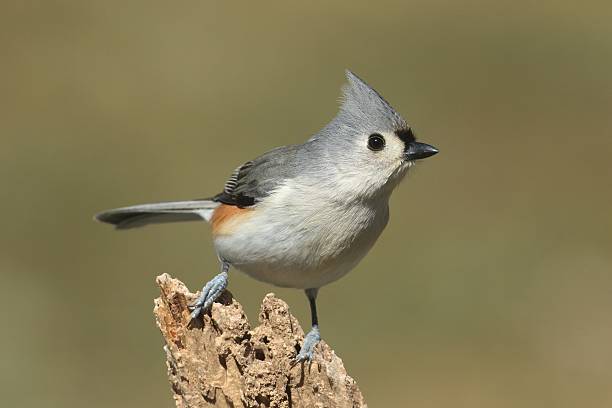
(493, 280)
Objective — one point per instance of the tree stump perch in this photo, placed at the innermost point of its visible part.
(219, 361)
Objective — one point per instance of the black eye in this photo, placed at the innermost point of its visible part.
(376, 142)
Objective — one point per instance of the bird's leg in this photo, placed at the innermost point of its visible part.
(211, 291)
(313, 336)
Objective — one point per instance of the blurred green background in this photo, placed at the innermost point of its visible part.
(493, 277)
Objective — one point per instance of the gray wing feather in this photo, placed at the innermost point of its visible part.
(256, 179)
(247, 185)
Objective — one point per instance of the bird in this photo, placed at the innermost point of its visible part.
(303, 215)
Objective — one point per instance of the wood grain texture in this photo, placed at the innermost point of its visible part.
(220, 361)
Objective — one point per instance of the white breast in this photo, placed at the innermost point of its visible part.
(299, 237)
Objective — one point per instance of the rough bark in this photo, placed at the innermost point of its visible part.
(219, 361)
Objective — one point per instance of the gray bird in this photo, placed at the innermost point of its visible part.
(302, 216)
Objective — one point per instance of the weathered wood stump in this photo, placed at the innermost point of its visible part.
(219, 361)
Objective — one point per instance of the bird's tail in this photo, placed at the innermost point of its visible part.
(141, 215)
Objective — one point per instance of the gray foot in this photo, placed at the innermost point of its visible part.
(210, 292)
(310, 341)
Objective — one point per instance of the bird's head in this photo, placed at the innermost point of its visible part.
(371, 145)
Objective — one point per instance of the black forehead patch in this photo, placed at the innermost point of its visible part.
(405, 135)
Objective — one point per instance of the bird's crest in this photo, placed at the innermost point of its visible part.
(361, 102)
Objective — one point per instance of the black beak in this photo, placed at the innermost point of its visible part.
(417, 151)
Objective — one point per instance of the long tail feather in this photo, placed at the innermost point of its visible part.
(140, 215)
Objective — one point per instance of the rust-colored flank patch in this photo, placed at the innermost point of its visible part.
(222, 217)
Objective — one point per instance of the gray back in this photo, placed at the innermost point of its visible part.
(363, 110)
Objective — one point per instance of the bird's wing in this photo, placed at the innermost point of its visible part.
(256, 179)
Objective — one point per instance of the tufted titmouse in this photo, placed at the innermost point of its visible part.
(302, 216)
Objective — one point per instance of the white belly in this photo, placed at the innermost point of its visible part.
(306, 244)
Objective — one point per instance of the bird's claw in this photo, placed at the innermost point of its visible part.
(210, 292)
(310, 341)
